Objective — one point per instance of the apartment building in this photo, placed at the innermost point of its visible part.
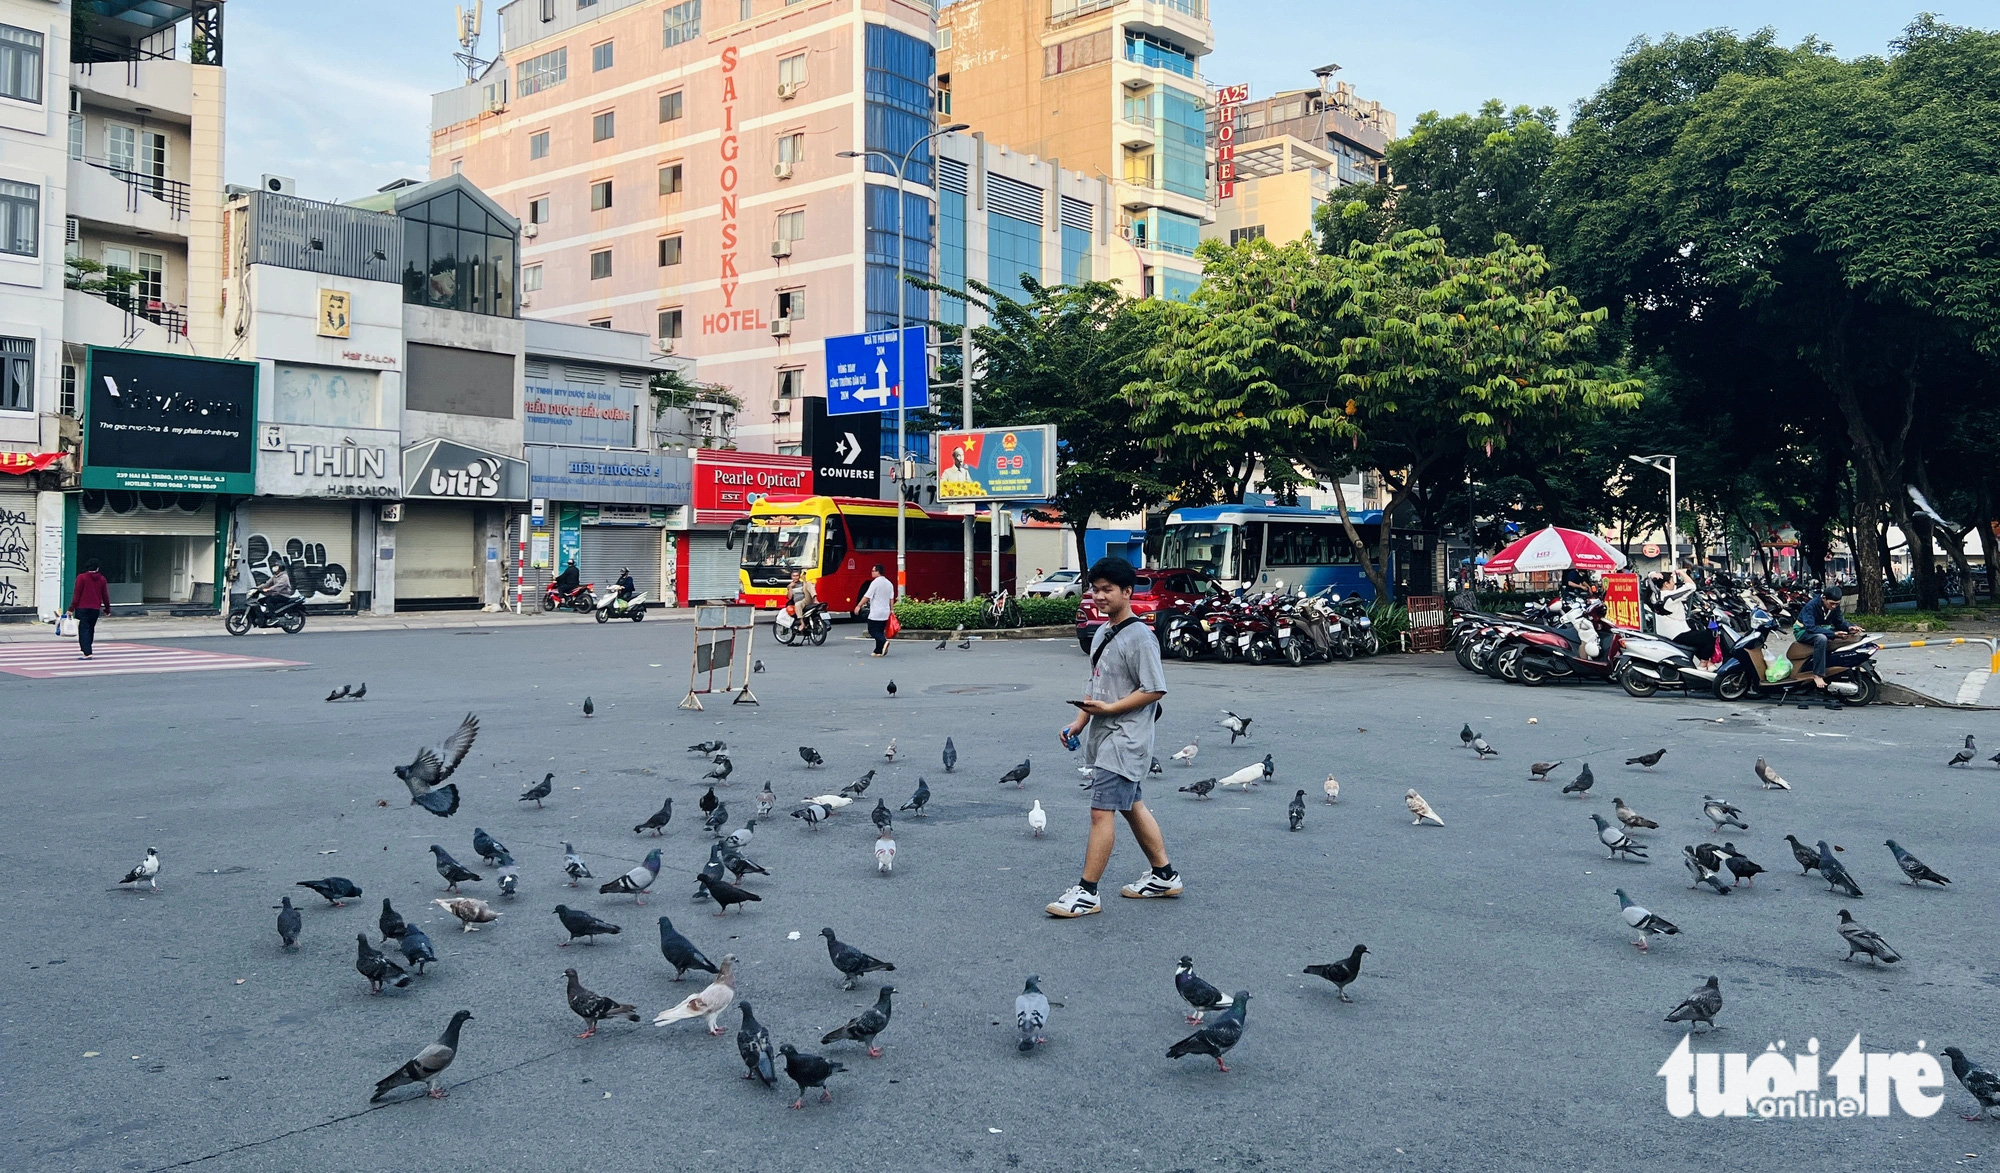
(1279, 159)
(1109, 88)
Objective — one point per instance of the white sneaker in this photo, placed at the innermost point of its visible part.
(1149, 885)
(1075, 902)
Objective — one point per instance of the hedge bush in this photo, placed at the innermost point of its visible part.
(947, 614)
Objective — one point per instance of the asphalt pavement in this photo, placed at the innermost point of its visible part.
(1503, 1019)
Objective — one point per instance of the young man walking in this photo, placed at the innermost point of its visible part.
(88, 599)
(880, 599)
(1126, 684)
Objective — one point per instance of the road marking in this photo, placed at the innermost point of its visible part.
(59, 661)
(1975, 683)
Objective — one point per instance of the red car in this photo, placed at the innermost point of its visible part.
(1156, 588)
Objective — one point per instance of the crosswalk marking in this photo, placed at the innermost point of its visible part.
(60, 661)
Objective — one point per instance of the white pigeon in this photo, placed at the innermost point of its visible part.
(741, 836)
(831, 802)
(1770, 778)
(885, 853)
(1244, 778)
(890, 753)
(710, 1002)
(148, 870)
(1037, 818)
(574, 866)
(1420, 808)
(1186, 754)
(1332, 789)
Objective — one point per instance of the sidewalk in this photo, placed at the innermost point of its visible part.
(114, 628)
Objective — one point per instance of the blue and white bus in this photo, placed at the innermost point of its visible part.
(1256, 546)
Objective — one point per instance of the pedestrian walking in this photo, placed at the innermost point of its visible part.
(1126, 685)
(90, 598)
(880, 600)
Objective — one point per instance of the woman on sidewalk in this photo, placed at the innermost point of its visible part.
(90, 598)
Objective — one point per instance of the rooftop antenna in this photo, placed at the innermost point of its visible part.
(468, 39)
(1323, 73)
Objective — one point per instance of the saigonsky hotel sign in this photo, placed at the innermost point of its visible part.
(729, 178)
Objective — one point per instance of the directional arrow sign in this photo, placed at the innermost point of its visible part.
(848, 448)
(861, 371)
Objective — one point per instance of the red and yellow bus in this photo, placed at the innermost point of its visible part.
(835, 540)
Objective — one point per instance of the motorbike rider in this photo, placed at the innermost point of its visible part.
(626, 587)
(803, 599)
(567, 582)
(1818, 620)
(276, 588)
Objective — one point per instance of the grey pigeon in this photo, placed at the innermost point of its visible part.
(1835, 873)
(377, 967)
(1466, 735)
(1648, 760)
(359, 693)
(880, 816)
(1018, 775)
(1808, 857)
(594, 1007)
(1721, 813)
(539, 790)
(811, 756)
(574, 867)
(289, 924)
(1703, 874)
(851, 962)
(426, 775)
(920, 799)
(588, 707)
(1216, 1038)
(510, 875)
(1199, 789)
(417, 948)
(486, 847)
(753, 1045)
(681, 953)
(658, 820)
(636, 881)
(581, 924)
(1914, 867)
(1341, 973)
(1583, 782)
(1540, 770)
(1296, 812)
(723, 767)
(1961, 757)
(1616, 840)
(707, 747)
(716, 819)
(148, 869)
(390, 922)
(1701, 1006)
(452, 871)
(766, 800)
(950, 756)
(1862, 939)
(859, 786)
(809, 1070)
(1196, 992)
(757, 666)
(337, 693)
(738, 863)
(1031, 1013)
(811, 814)
(1484, 750)
(740, 838)
(1640, 918)
(1983, 1084)
(863, 1027)
(335, 890)
(428, 1065)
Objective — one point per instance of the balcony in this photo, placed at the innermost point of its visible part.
(160, 86)
(91, 319)
(102, 194)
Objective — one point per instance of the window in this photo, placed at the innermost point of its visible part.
(670, 250)
(548, 11)
(791, 148)
(670, 324)
(683, 22)
(603, 125)
(1178, 286)
(791, 384)
(792, 305)
(540, 73)
(20, 218)
(600, 195)
(68, 404)
(600, 265)
(17, 374)
(600, 57)
(1175, 233)
(1239, 235)
(538, 145)
(76, 134)
(601, 324)
(671, 179)
(898, 114)
(586, 3)
(671, 107)
(531, 278)
(458, 166)
(459, 256)
(538, 210)
(1158, 54)
(152, 272)
(792, 70)
(1013, 248)
(944, 38)
(944, 99)
(1077, 53)
(20, 64)
(792, 225)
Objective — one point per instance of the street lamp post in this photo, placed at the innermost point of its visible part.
(1673, 500)
(902, 352)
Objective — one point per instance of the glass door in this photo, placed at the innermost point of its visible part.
(121, 147)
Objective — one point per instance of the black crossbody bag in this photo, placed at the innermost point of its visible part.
(1117, 627)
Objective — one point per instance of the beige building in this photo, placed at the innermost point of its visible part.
(1287, 154)
(1280, 185)
(1110, 88)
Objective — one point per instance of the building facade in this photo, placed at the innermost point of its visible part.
(1279, 159)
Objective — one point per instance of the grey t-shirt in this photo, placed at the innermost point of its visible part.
(1131, 663)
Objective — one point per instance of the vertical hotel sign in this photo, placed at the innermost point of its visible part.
(729, 177)
(1226, 100)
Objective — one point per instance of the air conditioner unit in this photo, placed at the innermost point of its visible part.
(782, 171)
(781, 248)
(70, 233)
(279, 184)
(781, 327)
(781, 407)
(666, 346)
(75, 101)
(788, 90)
(530, 231)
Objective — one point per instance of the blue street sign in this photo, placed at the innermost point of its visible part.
(861, 372)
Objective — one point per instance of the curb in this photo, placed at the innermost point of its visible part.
(915, 634)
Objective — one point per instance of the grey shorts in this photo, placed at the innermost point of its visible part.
(1111, 792)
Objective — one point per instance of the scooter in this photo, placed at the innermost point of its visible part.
(581, 598)
(612, 607)
(1851, 676)
(287, 613)
(791, 631)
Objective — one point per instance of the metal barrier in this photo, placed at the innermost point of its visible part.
(1992, 647)
(719, 651)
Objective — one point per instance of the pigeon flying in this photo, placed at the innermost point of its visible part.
(1583, 782)
(850, 961)
(863, 1027)
(539, 790)
(428, 1065)
(1648, 760)
(1770, 778)
(1914, 867)
(809, 1070)
(469, 911)
(452, 871)
(1196, 992)
(1617, 840)
(1216, 1038)
(336, 890)
(753, 1045)
(1701, 1006)
(1645, 922)
(637, 880)
(581, 924)
(594, 1007)
(147, 870)
(1340, 973)
(289, 924)
(681, 953)
(1031, 1013)
(426, 775)
(1862, 939)
(1418, 807)
(710, 1003)
(1237, 726)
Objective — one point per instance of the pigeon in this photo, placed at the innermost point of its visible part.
(890, 753)
(1648, 760)
(863, 1027)
(470, 912)
(359, 693)
(950, 756)
(1216, 1038)
(681, 953)
(574, 867)
(892, 688)
(1155, 768)
(708, 802)
(1616, 840)
(1701, 1006)
(1200, 789)
(1645, 922)
(581, 924)
(589, 709)
(725, 893)
(147, 870)
(1983, 1084)
(1248, 776)
(1341, 973)
(289, 924)
(738, 863)
(1703, 874)
(335, 890)
(1808, 857)
(1197, 992)
(713, 869)
(811, 756)
(941, 643)
(1582, 783)
(710, 1003)
(1721, 813)
(809, 1070)
(428, 1065)
(1914, 867)
(707, 747)
(1038, 819)
(1031, 1013)
(1186, 754)
(426, 775)
(390, 922)
(1297, 811)
(488, 848)
(1961, 757)
(342, 691)
(594, 1007)
(859, 786)
(1710, 855)
(1539, 772)
(449, 868)
(417, 947)
(1741, 866)
(880, 816)
(1466, 736)
(1770, 778)
(1237, 726)
(1995, 759)
(1018, 775)
(377, 966)
(767, 800)
(1332, 788)
(1969, 743)
(811, 813)
(832, 802)
(753, 1044)
(510, 875)
(1862, 939)
(851, 961)
(1484, 750)
(741, 836)
(1421, 809)
(757, 665)
(920, 799)
(637, 880)
(1835, 873)
(723, 767)
(717, 819)
(539, 790)
(885, 852)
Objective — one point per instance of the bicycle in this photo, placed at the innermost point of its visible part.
(1002, 611)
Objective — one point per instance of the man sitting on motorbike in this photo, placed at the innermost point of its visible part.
(276, 588)
(568, 580)
(1820, 619)
(803, 599)
(626, 587)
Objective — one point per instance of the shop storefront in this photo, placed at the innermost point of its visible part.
(20, 530)
(725, 486)
(611, 511)
(317, 488)
(456, 502)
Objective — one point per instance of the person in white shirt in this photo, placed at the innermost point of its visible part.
(880, 599)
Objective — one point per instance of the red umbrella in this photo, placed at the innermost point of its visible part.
(1555, 549)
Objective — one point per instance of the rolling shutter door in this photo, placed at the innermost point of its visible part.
(606, 548)
(435, 553)
(317, 539)
(712, 568)
(151, 514)
(17, 545)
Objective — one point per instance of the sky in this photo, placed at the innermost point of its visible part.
(338, 96)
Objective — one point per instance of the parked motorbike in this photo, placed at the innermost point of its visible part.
(581, 599)
(287, 613)
(1355, 612)
(612, 607)
(792, 631)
